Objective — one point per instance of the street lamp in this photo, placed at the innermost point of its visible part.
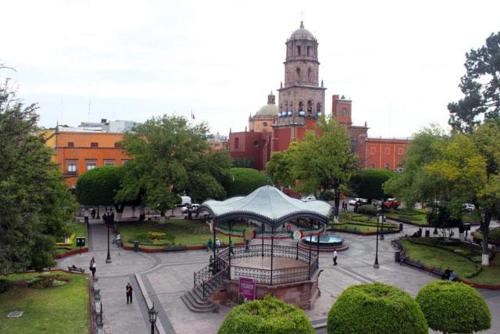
(107, 219)
(379, 216)
(152, 317)
(382, 218)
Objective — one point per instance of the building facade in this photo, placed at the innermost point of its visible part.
(301, 103)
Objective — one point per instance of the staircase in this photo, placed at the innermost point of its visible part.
(205, 284)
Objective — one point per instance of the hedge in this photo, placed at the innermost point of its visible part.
(493, 235)
(376, 309)
(452, 307)
(367, 209)
(266, 316)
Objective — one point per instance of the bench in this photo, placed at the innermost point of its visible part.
(74, 268)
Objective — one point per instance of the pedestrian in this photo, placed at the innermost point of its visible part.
(335, 257)
(92, 213)
(92, 267)
(218, 244)
(209, 245)
(128, 291)
(231, 249)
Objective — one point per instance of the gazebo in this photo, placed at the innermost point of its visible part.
(280, 268)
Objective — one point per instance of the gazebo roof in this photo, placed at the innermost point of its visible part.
(268, 205)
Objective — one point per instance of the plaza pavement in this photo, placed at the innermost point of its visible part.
(167, 276)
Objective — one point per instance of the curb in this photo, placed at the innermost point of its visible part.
(149, 303)
(71, 252)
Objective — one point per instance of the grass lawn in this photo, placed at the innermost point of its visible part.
(177, 232)
(417, 217)
(80, 230)
(353, 222)
(441, 258)
(62, 309)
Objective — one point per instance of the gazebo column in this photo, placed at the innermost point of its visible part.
(214, 247)
(262, 239)
(230, 247)
(317, 240)
(310, 250)
(272, 253)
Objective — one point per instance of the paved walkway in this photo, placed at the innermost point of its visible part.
(168, 275)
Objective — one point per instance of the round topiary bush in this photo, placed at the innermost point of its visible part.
(268, 315)
(375, 309)
(452, 307)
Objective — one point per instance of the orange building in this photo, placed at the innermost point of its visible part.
(385, 153)
(77, 151)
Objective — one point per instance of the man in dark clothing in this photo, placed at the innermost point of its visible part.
(128, 290)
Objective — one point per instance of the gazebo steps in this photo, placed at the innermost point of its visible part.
(196, 304)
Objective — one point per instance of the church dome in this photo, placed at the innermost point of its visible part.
(302, 34)
(270, 109)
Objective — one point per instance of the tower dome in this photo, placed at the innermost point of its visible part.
(302, 34)
(270, 109)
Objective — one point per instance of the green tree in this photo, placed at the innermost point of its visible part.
(242, 181)
(480, 86)
(269, 315)
(35, 203)
(279, 167)
(367, 183)
(170, 156)
(324, 162)
(451, 307)
(376, 309)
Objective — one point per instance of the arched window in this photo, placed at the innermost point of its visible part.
(298, 50)
(308, 51)
(286, 105)
(318, 107)
(301, 106)
(298, 73)
(236, 143)
(309, 74)
(281, 107)
(309, 107)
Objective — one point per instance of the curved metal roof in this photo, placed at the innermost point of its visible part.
(267, 205)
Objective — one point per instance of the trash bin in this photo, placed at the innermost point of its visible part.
(397, 256)
(136, 245)
(427, 233)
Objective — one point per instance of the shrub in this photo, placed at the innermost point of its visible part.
(244, 181)
(376, 309)
(156, 235)
(268, 315)
(453, 307)
(493, 235)
(4, 285)
(367, 210)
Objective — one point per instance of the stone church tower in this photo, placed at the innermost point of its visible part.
(302, 97)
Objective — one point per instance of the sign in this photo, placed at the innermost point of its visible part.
(247, 288)
(297, 235)
(80, 241)
(248, 234)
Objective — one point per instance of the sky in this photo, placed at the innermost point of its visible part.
(399, 61)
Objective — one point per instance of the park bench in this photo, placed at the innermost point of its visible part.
(74, 268)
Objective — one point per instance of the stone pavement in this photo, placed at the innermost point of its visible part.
(167, 276)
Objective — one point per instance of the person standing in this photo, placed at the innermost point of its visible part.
(92, 267)
(335, 257)
(128, 291)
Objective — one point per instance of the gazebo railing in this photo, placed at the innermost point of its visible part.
(292, 252)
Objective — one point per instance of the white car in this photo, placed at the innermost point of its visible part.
(192, 208)
(469, 206)
(357, 201)
(309, 198)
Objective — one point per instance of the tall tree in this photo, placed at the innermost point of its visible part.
(279, 167)
(170, 156)
(35, 202)
(367, 183)
(324, 162)
(481, 87)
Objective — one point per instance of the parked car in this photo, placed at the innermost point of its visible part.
(358, 201)
(308, 198)
(190, 207)
(391, 203)
(469, 206)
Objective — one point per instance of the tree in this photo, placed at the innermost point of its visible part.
(367, 183)
(279, 167)
(443, 304)
(243, 181)
(170, 156)
(35, 203)
(269, 315)
(377, 309)
(324, 162)
(480, 86)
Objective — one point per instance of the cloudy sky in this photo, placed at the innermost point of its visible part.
(399, 61)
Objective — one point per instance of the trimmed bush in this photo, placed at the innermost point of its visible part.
(376, 309)
(452, 307)
(266, 316)
(367, 209)
(4, 285)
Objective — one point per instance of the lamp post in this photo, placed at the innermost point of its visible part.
(379, 216)
(107, 218)
(152, 313)
(382, 221)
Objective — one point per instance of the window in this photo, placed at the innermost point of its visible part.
(109, 162)
(236, 142)
(256, 143)
(386, 165)
(91, 164)
(298, 50)
(309, 74)
(94, 144)
(387, 150)
(71, 167)
(401, 151)
(117, 145)
(318, 107)
(124, 161)
(309, 107)
(71, 144)
(298, 73)
(308, 51)
(301, 106)
(264, 123)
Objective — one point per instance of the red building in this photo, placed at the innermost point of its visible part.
(301, 103)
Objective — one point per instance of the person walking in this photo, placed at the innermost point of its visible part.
(335, 257)
(128, 291)
(92, 267)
